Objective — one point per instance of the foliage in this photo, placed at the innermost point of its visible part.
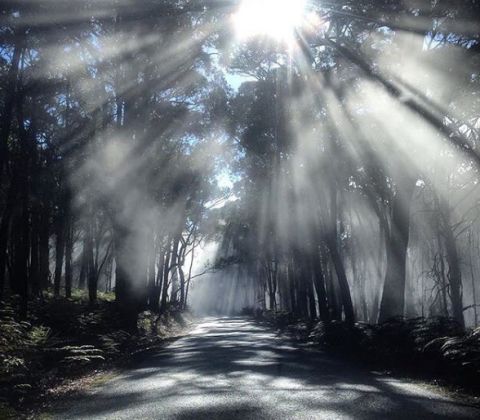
(117, 125)
(436, 347)
(67, 337)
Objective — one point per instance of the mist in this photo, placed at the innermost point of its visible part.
(187, 175)
(333, 163)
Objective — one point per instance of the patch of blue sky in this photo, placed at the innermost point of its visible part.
(234, 79)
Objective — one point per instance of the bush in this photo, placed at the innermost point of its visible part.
(436, 345)
(65, 337)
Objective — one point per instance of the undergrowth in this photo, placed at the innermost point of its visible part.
(434, 348)
(66, 338)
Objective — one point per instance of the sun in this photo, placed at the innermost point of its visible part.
(276, 19)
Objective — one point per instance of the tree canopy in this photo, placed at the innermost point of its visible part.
(331, 156)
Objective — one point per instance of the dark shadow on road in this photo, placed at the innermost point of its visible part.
(234, 369)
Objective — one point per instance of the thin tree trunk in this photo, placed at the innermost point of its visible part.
(291, 287)
(91, 269)
(166, 270)
(189, 275)
(312, 307)
(382, 240)
(34, 274)
(44, 247)
(319, 281)
(472, 274)
(157, 290)
(68, 260)
(83, 263)
(59, 252)
(151, 269)
(181, 274)
(174, 262)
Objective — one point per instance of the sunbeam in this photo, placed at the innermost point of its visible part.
(277, 19)
(310, 164)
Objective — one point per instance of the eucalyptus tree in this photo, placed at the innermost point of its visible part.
(106, 113)
(347, 54)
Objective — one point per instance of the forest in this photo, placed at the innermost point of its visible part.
(306, 163)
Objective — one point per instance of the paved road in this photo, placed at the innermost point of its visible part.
(231, 368)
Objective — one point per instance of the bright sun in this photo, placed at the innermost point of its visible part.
(273, 18)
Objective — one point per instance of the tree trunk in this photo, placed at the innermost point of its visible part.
(166, 270)
(301, 284)
(189, 275)
(19, 277)
(269, 272)
(454, 275)
(312, 307)
(130, 289)
(151, 269)
(10, 94)
(5, 230)
(83, 263)
(44, 247)
(34, 274)
(319, 282)
(158, 286)
(393, 297)
(332, 244)
(174, 262)
(181, 274)
(68, 255)
(59, 252)
(382, 240)
(22, 239)
(342, 283)
(91, 269)
(291, 288)
(472, 277)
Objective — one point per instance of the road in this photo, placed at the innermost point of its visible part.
(232, 368)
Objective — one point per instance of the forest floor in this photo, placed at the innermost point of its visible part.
(66, 346)
(235, 368)
(434, 352)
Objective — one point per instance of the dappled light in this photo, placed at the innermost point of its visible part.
(254, 375)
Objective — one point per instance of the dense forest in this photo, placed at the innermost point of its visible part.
(351, 158)
(322, 162)
(336, 166)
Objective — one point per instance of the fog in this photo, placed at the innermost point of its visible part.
(181, 155)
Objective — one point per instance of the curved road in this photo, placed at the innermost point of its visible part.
(231, 368)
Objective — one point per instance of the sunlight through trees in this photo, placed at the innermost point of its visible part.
(328, 152)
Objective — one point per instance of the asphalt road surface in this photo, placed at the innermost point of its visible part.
(231, 368)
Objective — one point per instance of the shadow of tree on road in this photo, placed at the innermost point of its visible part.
(230, 368)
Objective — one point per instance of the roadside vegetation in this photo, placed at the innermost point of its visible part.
(436, 349)
(63, 340)
(316, 160)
